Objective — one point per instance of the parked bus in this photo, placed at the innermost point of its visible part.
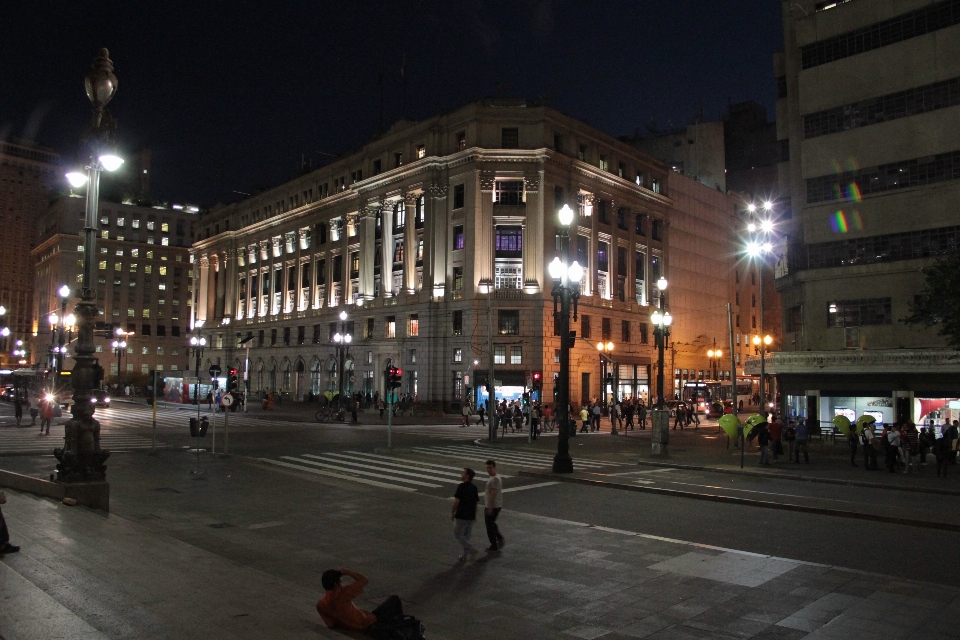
(35, 384)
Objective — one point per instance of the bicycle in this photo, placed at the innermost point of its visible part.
(329, 413)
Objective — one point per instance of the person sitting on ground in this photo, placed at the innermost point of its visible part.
(337, 609)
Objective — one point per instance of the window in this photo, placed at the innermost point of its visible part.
(273, 337)
(794, 320)
(621, 169)
(602, 211)
(397, 159)
(605, 332)
(510, 138)
(625, 331)
(260, 338)
(301, 334)
(657, 230)
(604, 163)
(317, 332)
(644, 336)
(458, 323)
(509, 242)
(376, 167)
(151, 225)
(461, 140)
(458, 278)
(858, 313)
(458, 196)
(458, 355)
(585, 326)
(621, 218)
(135, 223)
(421, 151)
(286, 336)
(622, 261)
(499, 355)
(582, 152)
(516, 355)
(508, 192)
(582, 244)
(889, 177)
(390, 327)
(413, 325)
(556, 360)
(399, 215)
(508, 322)
(458, 237)
(603, 256)
(558, 200)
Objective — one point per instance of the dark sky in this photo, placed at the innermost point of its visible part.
(228, 95)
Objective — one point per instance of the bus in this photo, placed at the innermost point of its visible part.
(33, 384)
(703, 393)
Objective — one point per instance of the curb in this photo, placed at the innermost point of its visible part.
(782, 506)
(760, 474)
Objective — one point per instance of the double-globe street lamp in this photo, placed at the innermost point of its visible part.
(119, 346)
(566, 278)
(714, 355)
(758, 248)
(343, 340)
(763, 343)
(197, 343)
(661, 320)
(81, 459)
(605, 349)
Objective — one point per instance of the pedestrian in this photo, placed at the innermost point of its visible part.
(547, 418)
(941, 450)
(465, 414)
(776, 434)
(504, 418)
(585, 418)
(5, 546)
(893, 445)
(381, 405)
(642, 416)
(596, 416)
(852, 442)
(493, 502)
(868, 440)
(336, 607)
(628, 413)
(679, 416)
(481, 410)
(763, 439)
(926, 443)
(216, 404)
(534, 422)
(614, 416)
(17, 407)
(911, 446)
(46, 414)
(803, 437)
(464, 513)
(790, 437)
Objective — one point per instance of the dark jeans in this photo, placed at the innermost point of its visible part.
(4, 534)
(493, 531)
(389, 609)
(869, 456)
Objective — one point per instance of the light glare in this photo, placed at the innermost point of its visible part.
(110, 162)
(76, 179)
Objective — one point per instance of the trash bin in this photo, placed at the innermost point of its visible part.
(194, 428)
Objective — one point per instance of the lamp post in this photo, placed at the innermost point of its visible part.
(486, 286)
(64, 292)
(81, 459)
(757, 249)
(763, 343)
(197, 342)
(566, 292)
(605, 349)
(714, 355)
(343, 340)
(53, 320)
(4, 329)
(660, 418)
(119, 346)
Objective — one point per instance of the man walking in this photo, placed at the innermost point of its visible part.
(803, 436)
(493, 502)
(464, 513)
(480, 411)
(642, 416)
(596, 417)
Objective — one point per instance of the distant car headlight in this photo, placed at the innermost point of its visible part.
(48, 397)
(107, 400)
(93, 400)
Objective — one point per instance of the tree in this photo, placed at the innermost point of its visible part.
(938, 303)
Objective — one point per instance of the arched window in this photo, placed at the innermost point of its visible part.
(315, 377)
(272, 376)
(286, 375)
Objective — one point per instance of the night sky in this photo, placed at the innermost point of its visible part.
(228, 95)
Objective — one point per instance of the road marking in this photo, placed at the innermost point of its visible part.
(266, 525)
(530, 486)
(327, 465)
(323, 472)
(347, 460)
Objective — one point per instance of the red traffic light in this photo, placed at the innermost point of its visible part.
(232, 371)
(399, 372)
(536, 376)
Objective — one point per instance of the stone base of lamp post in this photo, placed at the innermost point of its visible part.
(659, 431)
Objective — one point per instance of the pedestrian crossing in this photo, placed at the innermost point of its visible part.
(370, 469)
(506, 457)
(28, 441)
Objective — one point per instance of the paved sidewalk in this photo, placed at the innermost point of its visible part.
(238, 554)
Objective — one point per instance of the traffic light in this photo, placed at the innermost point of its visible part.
(394, 376)
(537, 379)
(231, 379)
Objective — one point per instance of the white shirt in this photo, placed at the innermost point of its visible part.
(496, 501)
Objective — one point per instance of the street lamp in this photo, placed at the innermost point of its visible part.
(661, 320)
(714, 355)
(763, 344)
(53, 320)
(343, 340)
(119, 346)
(605, 349)
(81, 459)
(486, 286)
(197, 342)
(566, 290)
(758, 248)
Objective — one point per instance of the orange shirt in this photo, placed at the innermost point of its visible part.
(337, 609)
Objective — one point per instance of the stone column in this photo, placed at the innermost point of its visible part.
(533, 274)
(368, 247)
(482, 229)
(230, 298)
(437, 243)
(410, 243)
(219, 303)
(202, 280)
(386, 236)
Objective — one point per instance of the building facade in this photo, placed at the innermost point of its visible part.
(404, 233)
(28, 176)
(868, 110)
(143, 284)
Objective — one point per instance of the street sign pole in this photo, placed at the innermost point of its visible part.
(226, 403)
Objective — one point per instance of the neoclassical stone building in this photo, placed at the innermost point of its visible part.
(401, 233)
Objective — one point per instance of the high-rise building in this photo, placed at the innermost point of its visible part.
(28, 175)
(404, 234)
(868, 111)
(143, 283)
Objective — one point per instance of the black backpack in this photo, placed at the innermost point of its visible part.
(403, 628)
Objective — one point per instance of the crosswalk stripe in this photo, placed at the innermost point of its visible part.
(509, 457)
(420, 464)
(531, 456)
(342, 459)
(324, 472)
(408, 463)
(327, 465)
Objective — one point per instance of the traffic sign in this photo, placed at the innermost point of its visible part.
(214, 371)
(227, 400)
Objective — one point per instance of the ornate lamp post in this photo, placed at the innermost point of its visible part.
(343, 340)
(486, 286)
(566, 291)
(81, 459)
(660, 417)
(714, 355)
(763, 343)
(197, 342)
(4, 329)
(605, 349)
(118, 347)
